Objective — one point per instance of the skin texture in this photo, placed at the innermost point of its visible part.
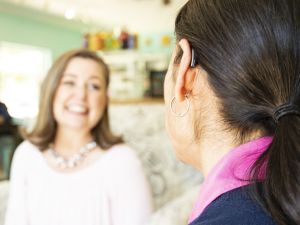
(199, 138)
(81, 96)
(78, 105)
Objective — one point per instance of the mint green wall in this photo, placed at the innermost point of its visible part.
(155, 39)
(28, 26)
(28, 31)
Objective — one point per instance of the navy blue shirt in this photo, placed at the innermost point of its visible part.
(235, 207)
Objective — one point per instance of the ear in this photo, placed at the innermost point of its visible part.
(186, 74)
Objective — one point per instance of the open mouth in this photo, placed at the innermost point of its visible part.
(78, 109)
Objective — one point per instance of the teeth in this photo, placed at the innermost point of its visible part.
(77, 108)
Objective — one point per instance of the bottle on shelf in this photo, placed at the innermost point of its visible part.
(105, 41)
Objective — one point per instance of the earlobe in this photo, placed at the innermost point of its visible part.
(184, 67)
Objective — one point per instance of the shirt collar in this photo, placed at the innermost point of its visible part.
(231, 172)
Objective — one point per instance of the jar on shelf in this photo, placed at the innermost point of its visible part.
(94, 43)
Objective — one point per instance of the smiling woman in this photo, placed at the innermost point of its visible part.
(81, 97)
(66, 89)
(72, 169)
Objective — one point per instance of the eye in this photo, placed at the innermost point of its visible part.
(94, 86)
(68, 83)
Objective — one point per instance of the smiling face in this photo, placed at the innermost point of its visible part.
(80, 98)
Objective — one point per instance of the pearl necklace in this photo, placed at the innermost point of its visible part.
(73, 161)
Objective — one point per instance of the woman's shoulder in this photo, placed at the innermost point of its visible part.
(234, 208)
(25, 154)
(121, 151)
(121, 156)
(26, 150)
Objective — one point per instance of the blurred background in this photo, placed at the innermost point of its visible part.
(135, 38)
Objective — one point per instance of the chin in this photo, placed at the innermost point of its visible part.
(75, 126)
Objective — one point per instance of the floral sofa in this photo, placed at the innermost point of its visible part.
(174, 185)
(3, 199)
(174, 212)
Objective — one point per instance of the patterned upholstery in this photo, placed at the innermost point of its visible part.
(143, 128)
(174, 185)
(3, 199)
(176, 211)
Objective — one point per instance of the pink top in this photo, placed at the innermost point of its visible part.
(230, 173)
(111, 191)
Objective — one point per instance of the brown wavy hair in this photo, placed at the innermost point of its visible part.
(44, 130)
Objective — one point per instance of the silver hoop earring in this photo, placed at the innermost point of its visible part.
(186, 109)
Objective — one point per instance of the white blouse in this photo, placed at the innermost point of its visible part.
(112, 191)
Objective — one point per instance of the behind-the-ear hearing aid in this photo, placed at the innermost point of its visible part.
(193, 61)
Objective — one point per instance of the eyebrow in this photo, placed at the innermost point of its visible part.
(90, 78)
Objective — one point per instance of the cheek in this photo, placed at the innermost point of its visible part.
(98, 104)
(60, 96)
(168, 94)
(57, 105)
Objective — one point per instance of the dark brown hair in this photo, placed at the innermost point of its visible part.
(45, 127)
(251, 52)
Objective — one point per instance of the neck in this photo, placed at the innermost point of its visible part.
(211, 150)
(214, 139)
(214, 146)
(211, 139)
(67, 142)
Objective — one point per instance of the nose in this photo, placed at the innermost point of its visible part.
(81, 92)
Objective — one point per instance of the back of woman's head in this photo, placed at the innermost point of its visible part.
(251, 52)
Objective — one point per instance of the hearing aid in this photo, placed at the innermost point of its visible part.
(193, 61)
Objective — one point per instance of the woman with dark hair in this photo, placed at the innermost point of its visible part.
(72, 169)
(232, 93)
